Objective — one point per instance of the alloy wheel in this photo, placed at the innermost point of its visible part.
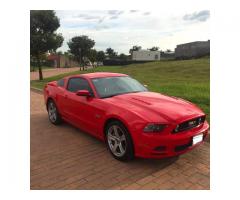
(117, 140)
(52, 112)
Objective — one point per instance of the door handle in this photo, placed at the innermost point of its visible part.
(65, 96)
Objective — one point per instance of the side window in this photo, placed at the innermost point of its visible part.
(75, 84)
(60, 83)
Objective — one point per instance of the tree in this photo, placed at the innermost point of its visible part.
(92, 55)
(111, 53)
(100, 56)
(135, 48)
(154, 49)
(168, 50)
(122, 56)
(43, 24)
(80, 47)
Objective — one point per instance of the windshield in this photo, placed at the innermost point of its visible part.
(112, 86)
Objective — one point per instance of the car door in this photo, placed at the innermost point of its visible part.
(79, 110)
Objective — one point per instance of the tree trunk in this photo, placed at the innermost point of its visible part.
(39, 68)
(80, 63)
(83, 67)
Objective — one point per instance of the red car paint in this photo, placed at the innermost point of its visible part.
(135, 111)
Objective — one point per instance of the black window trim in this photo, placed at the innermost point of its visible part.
(93, 95)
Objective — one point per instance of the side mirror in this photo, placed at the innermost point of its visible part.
(84, 93)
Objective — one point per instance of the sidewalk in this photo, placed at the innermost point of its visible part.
(52, 72)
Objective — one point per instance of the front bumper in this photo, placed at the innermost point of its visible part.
(168, 145)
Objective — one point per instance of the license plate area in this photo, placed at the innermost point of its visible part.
(197, 139)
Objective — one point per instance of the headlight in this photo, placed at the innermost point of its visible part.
(176, 129)
(154, 128)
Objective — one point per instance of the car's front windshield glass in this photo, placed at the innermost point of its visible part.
(112, 86)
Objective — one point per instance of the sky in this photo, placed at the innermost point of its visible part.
(122, 29)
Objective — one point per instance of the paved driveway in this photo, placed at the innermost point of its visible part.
(52, 72)
(63, 157)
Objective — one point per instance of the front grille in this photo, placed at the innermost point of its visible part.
(183, 147)
(160, 148)
(189, 124)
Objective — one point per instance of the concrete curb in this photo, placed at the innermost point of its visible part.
(39, 91)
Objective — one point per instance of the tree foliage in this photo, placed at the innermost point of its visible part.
(92, 55)
(154, 49)
(43, 38)
(100, 56)
(80, 46)
(122, 56)
(135, 48)
(111, 53)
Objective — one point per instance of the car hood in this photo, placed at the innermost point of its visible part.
(155, 106)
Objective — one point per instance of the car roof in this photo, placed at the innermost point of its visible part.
(98, 75)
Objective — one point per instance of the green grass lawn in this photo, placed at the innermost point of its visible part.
(188, 79)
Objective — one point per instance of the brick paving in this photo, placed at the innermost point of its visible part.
(63, 157)
(52, 72)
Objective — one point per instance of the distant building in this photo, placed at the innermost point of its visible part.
(145, 55)
(192, 49)
(60, 61)
(167, 55)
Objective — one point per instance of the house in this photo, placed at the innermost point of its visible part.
(145, 55)
(192, 49)
(60, 61)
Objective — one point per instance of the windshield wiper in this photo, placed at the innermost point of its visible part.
(111, 96)
(119, 94)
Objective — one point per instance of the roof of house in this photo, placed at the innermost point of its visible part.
(195, 42)
(145, 50)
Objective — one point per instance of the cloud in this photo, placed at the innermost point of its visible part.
(87, 17)
(146, 13)
(146, 28)
(197, 16)
(133, 11)
(101, 20)
(115, 13)
(101, 27)
(114, 17)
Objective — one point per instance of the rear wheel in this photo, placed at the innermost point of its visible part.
(53, 114)
(119, 141)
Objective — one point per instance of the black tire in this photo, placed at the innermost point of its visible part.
(126, 141)
(53, 111)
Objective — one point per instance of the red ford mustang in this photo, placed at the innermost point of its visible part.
(120, 111)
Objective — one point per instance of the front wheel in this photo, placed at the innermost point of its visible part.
(119, 141)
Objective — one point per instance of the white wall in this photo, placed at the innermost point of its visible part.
(145, 55)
